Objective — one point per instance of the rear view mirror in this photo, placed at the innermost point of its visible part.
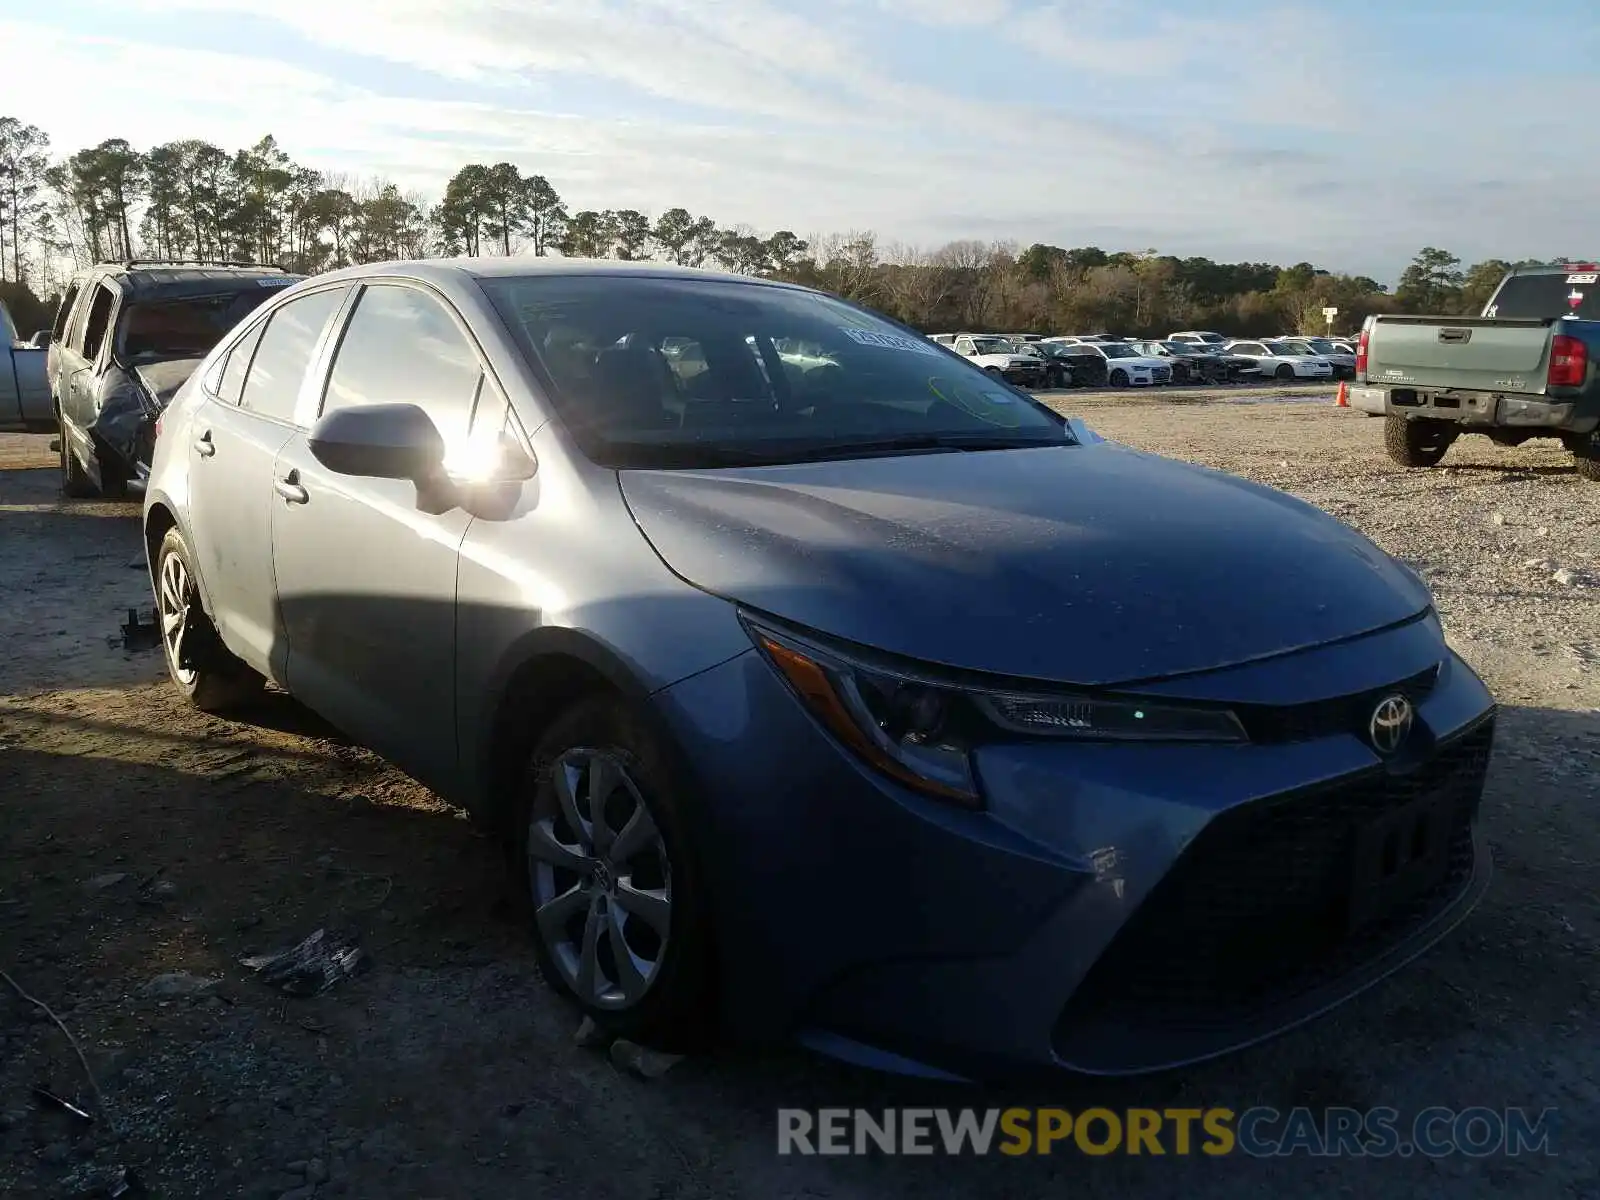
(379, 441)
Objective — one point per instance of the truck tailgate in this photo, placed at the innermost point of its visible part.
(1485, 354)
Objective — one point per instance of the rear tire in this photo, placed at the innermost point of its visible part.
(1585, 455)
(666, 1000)
(75, 481)
(1413, 442)
(208, 674)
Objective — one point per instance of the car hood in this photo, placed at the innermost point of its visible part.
(1082, 564)
(163, 379)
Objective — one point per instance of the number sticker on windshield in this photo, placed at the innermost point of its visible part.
(274, 282)
(889, 341)
(1583, 278)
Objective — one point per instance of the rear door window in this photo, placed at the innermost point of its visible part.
(231, 385)
(1540, 297)
(59, 329)
(272, 385)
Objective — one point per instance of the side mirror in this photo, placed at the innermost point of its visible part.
(379, 441)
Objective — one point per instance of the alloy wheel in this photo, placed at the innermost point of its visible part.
(601, 880)
(176, 595)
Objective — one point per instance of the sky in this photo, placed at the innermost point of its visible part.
(1347, 134)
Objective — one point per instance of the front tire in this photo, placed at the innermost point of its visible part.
(208, 674)
(604, 855)
(1417, 442)
(1285, 371)
(1119, 379)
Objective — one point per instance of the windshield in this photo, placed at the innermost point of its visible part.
(1324, 346)
(1179, 348)
(1282, 348)
(1540, 297)
(704, 373)
(184, 328)
(1118, 350)
(991, 345)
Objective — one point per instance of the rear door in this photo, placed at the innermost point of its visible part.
(237, 434)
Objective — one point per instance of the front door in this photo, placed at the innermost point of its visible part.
(235, 437)
(75, 383)
(366, 575)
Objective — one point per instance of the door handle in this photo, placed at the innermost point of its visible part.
(288, 486)
(204, 446)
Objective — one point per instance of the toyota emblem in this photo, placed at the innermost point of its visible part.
(1390, 724)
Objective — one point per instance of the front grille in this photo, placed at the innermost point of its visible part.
(1257, 910)
(1323, 718)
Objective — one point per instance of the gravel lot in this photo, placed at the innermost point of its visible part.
(141, 839)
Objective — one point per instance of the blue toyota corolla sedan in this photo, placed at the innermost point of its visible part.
(822, 686)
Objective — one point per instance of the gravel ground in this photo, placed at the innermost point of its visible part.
(142, 839)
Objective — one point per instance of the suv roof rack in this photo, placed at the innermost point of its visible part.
(130, 263)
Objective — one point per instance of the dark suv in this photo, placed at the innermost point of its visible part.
(126, 337)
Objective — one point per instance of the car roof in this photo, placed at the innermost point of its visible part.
(141, 280)
(437, 270)
(1588, 265)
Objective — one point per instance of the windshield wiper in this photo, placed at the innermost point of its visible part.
(911, 443)
(670, 454)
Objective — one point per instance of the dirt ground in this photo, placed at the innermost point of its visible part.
(138, 838)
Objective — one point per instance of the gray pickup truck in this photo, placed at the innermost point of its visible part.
(24, 389)
(1528, 367)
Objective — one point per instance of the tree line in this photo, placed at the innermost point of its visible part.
(192, 199)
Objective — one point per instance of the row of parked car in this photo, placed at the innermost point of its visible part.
(1188, 357)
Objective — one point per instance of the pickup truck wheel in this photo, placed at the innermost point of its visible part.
(994, 372)
(206, 671)
(75, 481)
(1417, 443)
(1119, 379)
(1586, 455)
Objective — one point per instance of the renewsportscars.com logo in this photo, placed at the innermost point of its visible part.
(1256, 1132)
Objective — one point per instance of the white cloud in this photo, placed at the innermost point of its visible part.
(1177, 132)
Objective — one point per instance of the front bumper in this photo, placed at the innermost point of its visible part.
(1486, 409)
(1051, 930)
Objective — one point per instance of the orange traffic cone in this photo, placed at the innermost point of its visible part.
(1343, 401)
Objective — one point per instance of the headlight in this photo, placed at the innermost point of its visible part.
(921, 730)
